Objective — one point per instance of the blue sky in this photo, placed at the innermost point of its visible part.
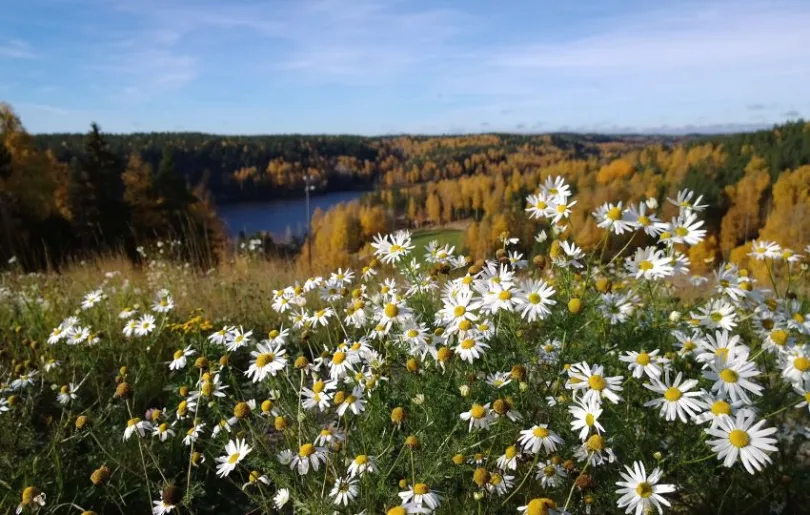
(392, 66)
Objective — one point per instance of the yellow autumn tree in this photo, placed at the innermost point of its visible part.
(743, 219)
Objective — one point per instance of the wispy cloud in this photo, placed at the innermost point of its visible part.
(16, 49)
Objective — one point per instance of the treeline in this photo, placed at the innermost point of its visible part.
(96, 202)
(757, 185)
(264, 167)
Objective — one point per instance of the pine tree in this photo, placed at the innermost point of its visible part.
(5, 161)
(96, 194)
(171, 189)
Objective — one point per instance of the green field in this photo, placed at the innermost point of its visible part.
(452, 236)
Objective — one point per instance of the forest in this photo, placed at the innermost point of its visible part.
(64, 196)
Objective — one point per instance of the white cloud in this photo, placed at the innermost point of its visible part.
(16, 49)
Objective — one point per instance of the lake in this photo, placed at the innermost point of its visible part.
(275, 216)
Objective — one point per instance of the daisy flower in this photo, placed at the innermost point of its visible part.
(281, 498)
(649, 263)
(537, 437)
(470, 349)
(613, 218)
(222, 336)
(796, 364)
(268, 359)
(308, 456)
(534, 300)
(92, 298)
(732, 378)
(235, 452)
(238, 338)
(67, 393)
(677, 400)
(541, 506)
(641, 492)
(179, 360)
(537, 205)
(761, 250)
(499, 484)
(586, 417)
(685, 203)
(641, 363)
(685, 228)
(163, 431)
(362, 464)
(550, 474)
(421, 496)
(145, 325)
(136, 425)
(354, 402)
(509, 459)
(741, 438)
(582, 377)
(641, 220)
(480, 417)
(718, 314)
(344, 491)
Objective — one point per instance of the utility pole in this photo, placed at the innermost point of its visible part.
(307, 188)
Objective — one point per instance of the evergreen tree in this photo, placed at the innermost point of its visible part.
(96, 194)
(5, 161)
(170, 186)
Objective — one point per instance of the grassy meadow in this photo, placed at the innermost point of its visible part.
(563, 380)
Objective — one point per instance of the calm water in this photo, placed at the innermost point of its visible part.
(275, 216)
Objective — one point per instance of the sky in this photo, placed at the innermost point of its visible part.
(404, 66)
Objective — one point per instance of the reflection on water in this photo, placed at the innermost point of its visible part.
(278, 217)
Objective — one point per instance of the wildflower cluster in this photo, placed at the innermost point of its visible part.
(572, 383)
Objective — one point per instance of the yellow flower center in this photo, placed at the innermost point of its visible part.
(549, 470)
(721, 408)
(738, 438)
(644, 490)
(505, 295)
(722, 352)
(318, 386)
(338, 358)
(798, 317)
(643, 220)
(178, 354)
(131, 422)
(233, 458)
(540, 205)
(729, 375)
(681, 231)
(465, 325)
(468, 344)
(779, 336)
(391, 310)
(614, 213)
(597, 382)
(716, 317)
(595, 443)
(477, 411)
(306, 450)
(672, 394)
(645, 265)
(510, 452)
(420, 489)
(541, 506)
(643, 359)
(361, 459)
(396, 248)
(589, 420)
(534, 298)
(412, 333)
(540, 432)
(265, 359)
(802, 364)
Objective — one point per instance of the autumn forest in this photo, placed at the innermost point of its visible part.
(67, 196)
